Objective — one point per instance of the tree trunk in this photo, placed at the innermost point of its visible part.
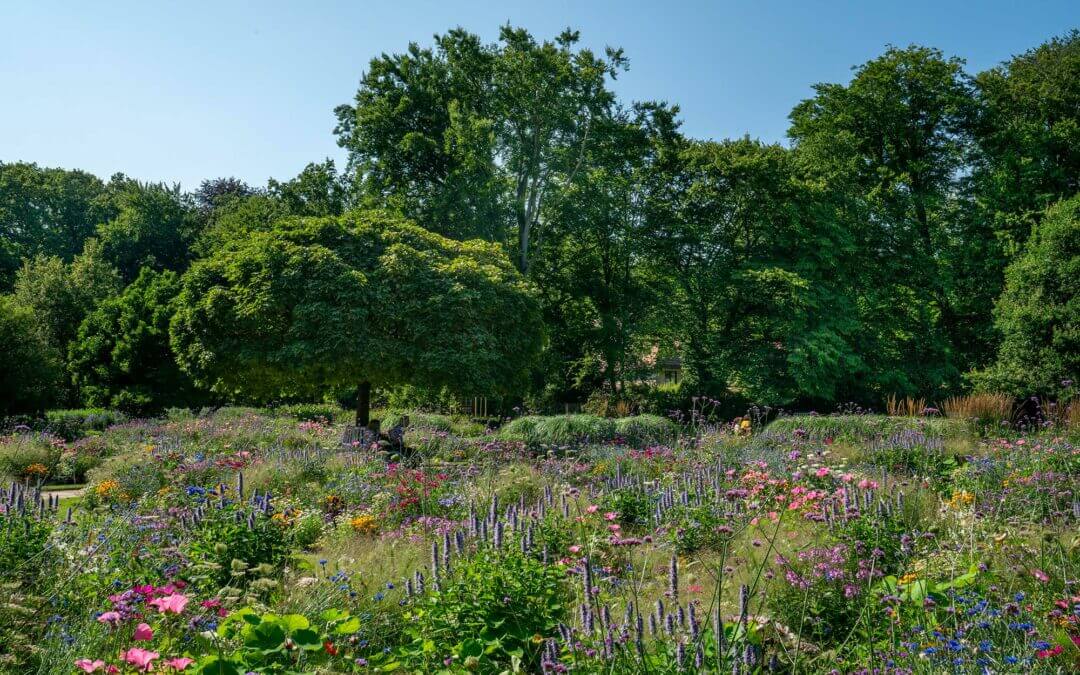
(363, 404)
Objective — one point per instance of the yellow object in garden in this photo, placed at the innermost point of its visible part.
(365, 523)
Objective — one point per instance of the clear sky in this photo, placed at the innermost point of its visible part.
(188, 90)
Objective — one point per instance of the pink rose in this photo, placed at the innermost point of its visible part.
(143, 633)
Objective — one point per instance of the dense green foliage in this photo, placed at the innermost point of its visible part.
(1038, 314)
(27, 364)
(884, 251)
(121, 357)
(314, 303)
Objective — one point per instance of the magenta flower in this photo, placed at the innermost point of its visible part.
(144, 633)
(88, 666)
(174, 603)
(143, 659)
(179, 663)
(111, 618)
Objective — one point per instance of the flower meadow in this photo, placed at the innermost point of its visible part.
(251, 541)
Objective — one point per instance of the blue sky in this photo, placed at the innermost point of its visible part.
(183, 91)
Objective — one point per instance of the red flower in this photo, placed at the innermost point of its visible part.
(1047, 653)
(330, 648)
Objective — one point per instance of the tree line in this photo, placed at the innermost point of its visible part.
(506, 226)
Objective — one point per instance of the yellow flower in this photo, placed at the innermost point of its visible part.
(907, 579)
(107, 487)
(961, 498)
(365, 523)
(36, 469)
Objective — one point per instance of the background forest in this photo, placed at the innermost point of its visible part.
(918, 236)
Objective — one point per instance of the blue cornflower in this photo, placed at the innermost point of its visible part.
(379, 596)
(1042, 644)
(1011, 659)
(954, 645)
(930, 650)
(1019, 597)
(985, 646)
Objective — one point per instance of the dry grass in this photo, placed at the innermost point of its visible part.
(905, 407)
(1064, 416)
(982, 408)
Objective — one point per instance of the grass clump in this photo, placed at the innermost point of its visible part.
(559, 429)
(645, 429)
(857, 428)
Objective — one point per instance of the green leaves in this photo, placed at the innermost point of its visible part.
(315, 303)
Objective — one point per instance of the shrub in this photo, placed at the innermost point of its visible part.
(313, 412)
(488, 612)
(419, 420)
(642, 429)
(74, 424)
(861, 427)
(559, 429)
(32, 457)
(227, 544)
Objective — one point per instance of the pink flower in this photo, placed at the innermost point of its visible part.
(822, 472)
(88, 666)
(143, 633)
(1043, 577)
(611, 515)
(179, 663)
(174, 603)
(109, 617)
(847, 477)
(141, 658)
(592, 508)
(575, 549)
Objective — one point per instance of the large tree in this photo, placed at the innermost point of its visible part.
(1029, 135)
(121, 357)
(891, 145)
(153, 227)
(471, 140)
(46, 212)
(1038, 314)
(28, 364)
(60, 295)
(735, 251)
(365, 299)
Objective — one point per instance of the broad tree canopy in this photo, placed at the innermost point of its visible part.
(366, 298)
